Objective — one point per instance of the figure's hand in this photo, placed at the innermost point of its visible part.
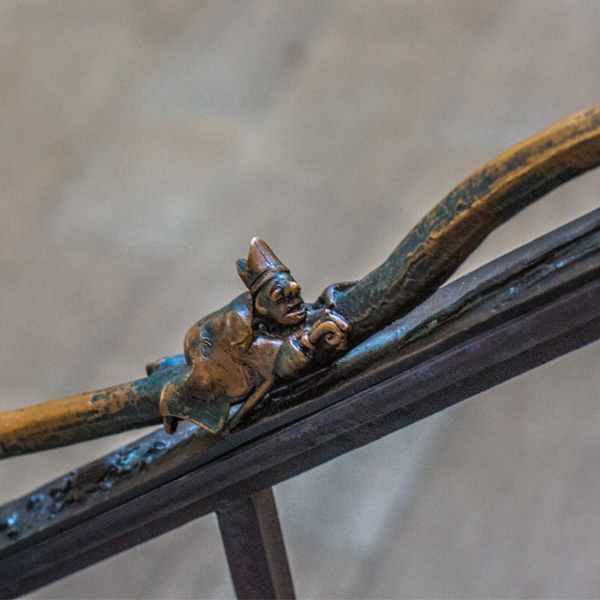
(329, 332)
(325, 339)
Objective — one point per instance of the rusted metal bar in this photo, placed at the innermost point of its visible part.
(517, 312)
(254, 547)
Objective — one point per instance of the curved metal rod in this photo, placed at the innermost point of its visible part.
(85, 416)
(347, 313)
(450, 231)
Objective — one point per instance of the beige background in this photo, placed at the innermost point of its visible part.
(144, 143)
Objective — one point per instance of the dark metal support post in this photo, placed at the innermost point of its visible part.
(254, 546)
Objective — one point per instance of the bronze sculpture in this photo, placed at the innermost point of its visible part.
(267, 336)
(238, 353)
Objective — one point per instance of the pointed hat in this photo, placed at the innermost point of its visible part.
(262, 265)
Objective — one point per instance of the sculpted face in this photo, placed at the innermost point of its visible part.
(280, 301)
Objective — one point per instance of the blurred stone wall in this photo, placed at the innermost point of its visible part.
(145, 143)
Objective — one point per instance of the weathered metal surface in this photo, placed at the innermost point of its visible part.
(448, 233)
(269, 336)
(524, 309)
(87, 415)
(254, 547)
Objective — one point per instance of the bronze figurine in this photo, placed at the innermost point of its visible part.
(268, 336)
(238, 353)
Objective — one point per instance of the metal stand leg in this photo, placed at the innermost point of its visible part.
(254, 546)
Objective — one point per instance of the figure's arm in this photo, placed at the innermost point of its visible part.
(321, 343)
(300, 354)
